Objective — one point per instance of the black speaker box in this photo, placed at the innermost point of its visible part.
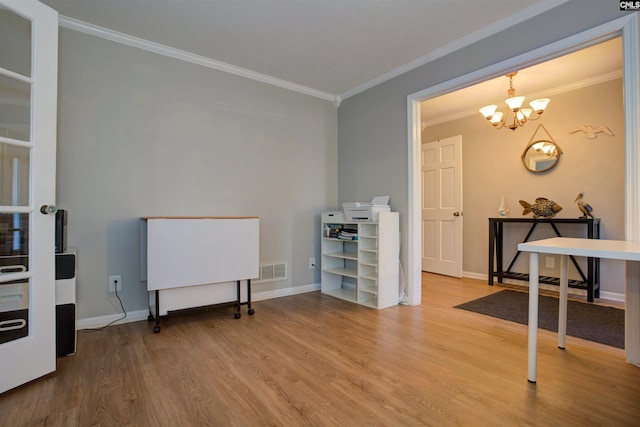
(65, 266)
(65, 329)
(61, 231)
(66, 303)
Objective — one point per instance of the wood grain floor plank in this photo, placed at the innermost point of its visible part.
(313, 360)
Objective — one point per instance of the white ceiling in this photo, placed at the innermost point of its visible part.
(334, 47)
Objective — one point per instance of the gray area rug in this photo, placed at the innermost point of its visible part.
(591, 322)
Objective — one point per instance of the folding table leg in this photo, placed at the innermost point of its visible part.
(562, 307)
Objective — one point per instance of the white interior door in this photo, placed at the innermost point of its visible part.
(442, 206)
(28, 96)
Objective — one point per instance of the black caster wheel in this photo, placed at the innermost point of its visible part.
(251, 311)
(236, 315)
(156, 329)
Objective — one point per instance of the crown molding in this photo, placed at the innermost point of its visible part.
(115, 36)
(181, 55)
(489, 30)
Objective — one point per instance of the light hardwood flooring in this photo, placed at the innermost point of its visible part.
(313, 360)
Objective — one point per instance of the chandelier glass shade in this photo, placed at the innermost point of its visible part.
(515, 116)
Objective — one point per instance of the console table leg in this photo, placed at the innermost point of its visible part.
(492, 249)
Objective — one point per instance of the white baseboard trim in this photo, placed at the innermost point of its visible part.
(135, 316)
(470, 275)
(101, 321)
(610, 296)
(259, 296)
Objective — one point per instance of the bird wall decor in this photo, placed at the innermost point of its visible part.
(591, 131)
(585, 208)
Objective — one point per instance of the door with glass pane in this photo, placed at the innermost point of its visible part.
(28, 90)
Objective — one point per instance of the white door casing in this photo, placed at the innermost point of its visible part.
(28, 86)
(442, 206)
(627, 26)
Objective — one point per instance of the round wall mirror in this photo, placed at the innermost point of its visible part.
(541, 155)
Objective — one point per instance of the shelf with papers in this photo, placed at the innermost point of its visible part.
(363, 270)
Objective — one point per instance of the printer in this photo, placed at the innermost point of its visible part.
(364, 211)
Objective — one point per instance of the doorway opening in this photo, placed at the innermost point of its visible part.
(625, 27)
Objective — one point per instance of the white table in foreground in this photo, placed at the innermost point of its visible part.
(564, 246)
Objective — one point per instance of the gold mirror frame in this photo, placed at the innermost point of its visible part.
(541, 155)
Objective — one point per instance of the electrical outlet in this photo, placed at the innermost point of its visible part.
(312, 263)
(113, 282)
(550, 262)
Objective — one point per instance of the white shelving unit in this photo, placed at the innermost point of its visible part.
(364, 271)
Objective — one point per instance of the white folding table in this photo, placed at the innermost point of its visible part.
(564, 246)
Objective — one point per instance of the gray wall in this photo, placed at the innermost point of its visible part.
(143, 134)
(372, 125)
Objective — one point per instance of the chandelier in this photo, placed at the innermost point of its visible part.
(515, 116)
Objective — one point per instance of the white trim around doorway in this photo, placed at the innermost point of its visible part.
(628, 28)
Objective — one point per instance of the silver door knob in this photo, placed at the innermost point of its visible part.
(48, 209)
(456, 213)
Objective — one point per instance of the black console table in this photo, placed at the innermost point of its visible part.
(590, 282)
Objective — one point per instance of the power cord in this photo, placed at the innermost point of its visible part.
(315, 267)
(124, 316)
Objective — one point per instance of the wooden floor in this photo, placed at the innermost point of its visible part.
(312, 360)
